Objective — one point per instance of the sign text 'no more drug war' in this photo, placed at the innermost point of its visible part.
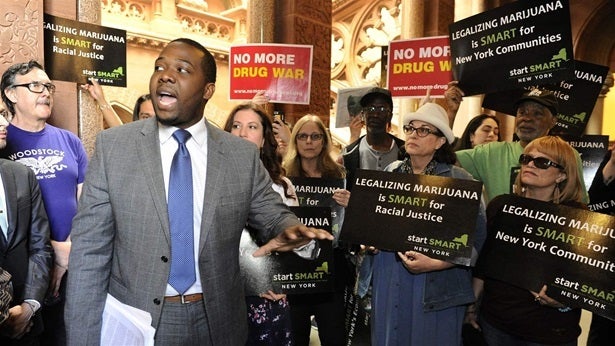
(571, 250)
(76, 51)
(429, 214)
(521, 43)
(418, 65)
(284, 71)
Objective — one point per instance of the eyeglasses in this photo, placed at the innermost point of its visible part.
(314, 136)
(37, 87)
(377, 110)
(539, 162)
(420, 131)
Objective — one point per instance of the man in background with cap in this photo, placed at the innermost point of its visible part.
(375, 150)
(496, 164)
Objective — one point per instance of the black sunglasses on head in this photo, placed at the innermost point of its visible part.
(539, 162)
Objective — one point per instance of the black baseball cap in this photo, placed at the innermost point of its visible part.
(376, 92)
(543, 97)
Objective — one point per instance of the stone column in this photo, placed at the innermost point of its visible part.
(261, 23)
(89, 117)
(261, 27)
(412, 26)
(308, 23)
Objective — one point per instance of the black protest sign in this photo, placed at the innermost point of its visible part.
(601, 194)
(318, 192)
(576, 97)
(571, 250)
(305, 270)
(591, 148)
(430, 214)
(521, 43)
(76, 51)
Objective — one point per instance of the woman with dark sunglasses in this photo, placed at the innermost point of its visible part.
(510, 315)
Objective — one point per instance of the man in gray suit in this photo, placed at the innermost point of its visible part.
(121, 242)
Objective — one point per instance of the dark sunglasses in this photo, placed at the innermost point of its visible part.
(539, 162)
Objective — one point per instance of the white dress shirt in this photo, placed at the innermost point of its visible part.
(197, 146)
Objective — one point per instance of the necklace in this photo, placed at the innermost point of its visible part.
(406, 167)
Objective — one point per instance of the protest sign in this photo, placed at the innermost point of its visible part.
(305, 270)
(518, 44)
(533, 243)
(284, 71)
(576, 97)
(592, 149)
(76, 51)
(601, 194)
(430, 214)
(418, 65)
(348, 105)
(318, 192)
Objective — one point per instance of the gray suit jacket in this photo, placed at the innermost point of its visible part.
(27, 255)
(120, 235)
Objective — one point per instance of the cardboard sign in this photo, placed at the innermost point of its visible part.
(76, 51)
(295, 272)
(348, 105)
(430, 214)
(533, 243)
(284, 71)
(576, 98)
(418, 65)
(519, 44)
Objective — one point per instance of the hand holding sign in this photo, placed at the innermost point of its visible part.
(418, 263)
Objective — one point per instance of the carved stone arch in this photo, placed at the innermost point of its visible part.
(371, 32)
(341, 37)
(364, 28)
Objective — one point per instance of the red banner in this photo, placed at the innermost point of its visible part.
(283, 71)
(418, 65)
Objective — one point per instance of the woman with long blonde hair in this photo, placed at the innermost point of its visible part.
(313, 161)
(510, 315)
(309, 155)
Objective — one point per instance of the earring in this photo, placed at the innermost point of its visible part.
(556, 194)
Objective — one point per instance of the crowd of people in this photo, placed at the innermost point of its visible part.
(166, 241)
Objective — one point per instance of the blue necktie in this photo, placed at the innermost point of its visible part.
(180, 206)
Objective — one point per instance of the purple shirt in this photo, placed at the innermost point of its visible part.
(59, 162)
